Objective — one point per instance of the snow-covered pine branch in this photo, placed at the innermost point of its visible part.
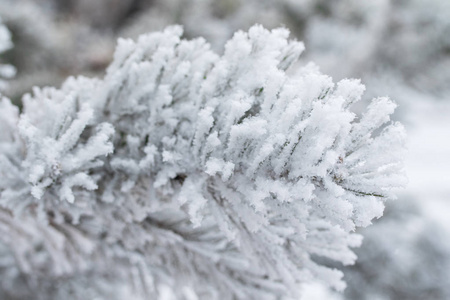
(191, 175)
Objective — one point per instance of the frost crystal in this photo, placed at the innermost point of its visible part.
(187, 175)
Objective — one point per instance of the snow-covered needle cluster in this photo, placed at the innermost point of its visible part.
(183, 174)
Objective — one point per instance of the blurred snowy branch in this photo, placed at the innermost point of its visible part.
(6, 71)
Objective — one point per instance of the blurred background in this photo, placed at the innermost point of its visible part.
(399, 48)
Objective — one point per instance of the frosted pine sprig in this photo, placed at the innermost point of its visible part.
(193, 175)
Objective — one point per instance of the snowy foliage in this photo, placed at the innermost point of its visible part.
(406, 41)
(184, 174)
(223, 17)
(5, 38)
(405, 255)
(50, 47)
(6, 71)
